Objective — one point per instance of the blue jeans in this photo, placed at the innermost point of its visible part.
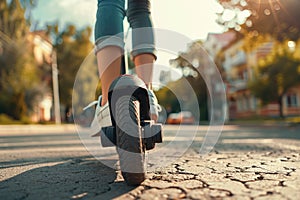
(109, 25)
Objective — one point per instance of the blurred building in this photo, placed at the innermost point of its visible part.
(238, 66)
(238, 69)
(42, 48)
(215, 42)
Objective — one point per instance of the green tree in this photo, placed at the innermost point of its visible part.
(278, 18)
(18, 70)
(72, 47)
(191, 63)
(275, 75)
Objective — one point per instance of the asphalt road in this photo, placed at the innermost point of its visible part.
(50, 162)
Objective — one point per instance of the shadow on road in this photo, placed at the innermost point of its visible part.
(79, 178)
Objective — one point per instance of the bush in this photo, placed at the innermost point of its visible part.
(293, 120)
(5, 119)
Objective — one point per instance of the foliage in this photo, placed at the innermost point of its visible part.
(5, 119)
(12, 21)
(87, 86)
(191, 63)
(275, 75)
(278, 18)
(23, 81)
(167, 98)
(72, 47)
(18, 70)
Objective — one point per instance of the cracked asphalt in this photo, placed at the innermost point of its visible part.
(48, 162)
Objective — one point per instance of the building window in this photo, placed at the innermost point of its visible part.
(252, 103)
(239, 105)
(243, 104)
(245, 75)
(291, 100)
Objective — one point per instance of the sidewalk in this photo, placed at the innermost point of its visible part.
(50, 162)
(269, 175)
(266, 123)
(258, 176)
(36, 128)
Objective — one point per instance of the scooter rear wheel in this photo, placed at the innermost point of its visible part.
(129, 140)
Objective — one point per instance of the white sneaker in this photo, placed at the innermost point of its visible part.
(102, 114)
(154, 106)
(101, 118)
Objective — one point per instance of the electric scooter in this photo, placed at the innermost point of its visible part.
(132, 131)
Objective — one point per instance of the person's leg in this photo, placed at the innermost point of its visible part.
(109, 62)
(143, 53)
(139, 18)
(144, 68)
(110, 16)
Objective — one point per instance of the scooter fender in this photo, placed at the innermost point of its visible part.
(132, 85)
(129, 85)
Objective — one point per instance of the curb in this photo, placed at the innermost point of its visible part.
(36, 128)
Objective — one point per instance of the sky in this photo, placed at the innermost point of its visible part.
(193, 19)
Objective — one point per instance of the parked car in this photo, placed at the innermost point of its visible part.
(173, 118)
(183, 117)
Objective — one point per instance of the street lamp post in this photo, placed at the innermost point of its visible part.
(55, 88)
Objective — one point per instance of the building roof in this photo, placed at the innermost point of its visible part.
(223, 38)
(43, 35)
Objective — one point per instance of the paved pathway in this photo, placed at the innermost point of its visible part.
(53, 164)
(252, 175)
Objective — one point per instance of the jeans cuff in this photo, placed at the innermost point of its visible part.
(144, 49)
(108, 41)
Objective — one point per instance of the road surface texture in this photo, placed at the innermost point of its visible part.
(50, 162)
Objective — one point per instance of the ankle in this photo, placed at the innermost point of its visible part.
(148, 86)
(103, 101)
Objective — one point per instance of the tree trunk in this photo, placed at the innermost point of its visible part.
(280, 107)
